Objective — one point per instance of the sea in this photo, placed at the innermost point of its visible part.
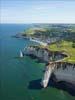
(20, 77)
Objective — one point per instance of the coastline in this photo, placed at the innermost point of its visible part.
(36, 40)
(21, 77)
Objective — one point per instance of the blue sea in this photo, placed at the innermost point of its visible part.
(20, 77)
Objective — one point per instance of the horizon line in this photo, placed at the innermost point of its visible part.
(38, 23)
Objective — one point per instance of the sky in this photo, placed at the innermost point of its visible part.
(37, 11)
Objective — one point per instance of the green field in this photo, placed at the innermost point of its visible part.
(65, 47)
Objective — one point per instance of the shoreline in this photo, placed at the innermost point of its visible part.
(38, 41)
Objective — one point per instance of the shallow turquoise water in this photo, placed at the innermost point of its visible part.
(20, 78)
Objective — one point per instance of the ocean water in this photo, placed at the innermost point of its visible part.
(20, 77)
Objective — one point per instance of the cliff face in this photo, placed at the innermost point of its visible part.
(47, 75)
(66, 72)
(62, 72)
(44, 54)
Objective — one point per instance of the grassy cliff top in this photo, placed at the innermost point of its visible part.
(66, 47)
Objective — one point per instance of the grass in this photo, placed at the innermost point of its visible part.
(66, 47)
